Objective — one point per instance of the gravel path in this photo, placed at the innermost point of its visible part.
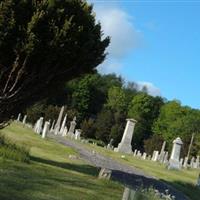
(127, 175)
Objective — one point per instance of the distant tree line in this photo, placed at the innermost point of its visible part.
(103, 102)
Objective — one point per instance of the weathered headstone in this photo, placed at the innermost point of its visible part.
(72, 127)
(110, 146)
(149, 157)
(105, 173)
(144, 155)
(135, 153)
(19, 117)
(38, 126)
(138, 154)
(155, 156)
(78, 134)
(24, 119)
(63, 125)
(192, 162)
(181, 162)
(185, 163)
(45, 129)
(162, 152)
(65, 131)
(52, 126)
(174, 162)
(128, 194)
(165, 161)
(57, 126)
(196, 164)
(125, 144)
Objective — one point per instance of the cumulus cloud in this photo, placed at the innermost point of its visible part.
(111, 66)
(117, 24)
(151, 88)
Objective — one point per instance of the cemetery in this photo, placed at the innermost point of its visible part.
(172, 170)
(89, 100)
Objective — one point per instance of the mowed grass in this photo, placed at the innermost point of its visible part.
(51, 175)
(183, 180)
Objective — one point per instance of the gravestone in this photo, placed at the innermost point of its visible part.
(78, 134)
(19, 117)
(52, 126)
(45, 129)
(135, 153)
(105, 173)
(162, 152)
(185, 163)
(181, 162)
(24, 119)
(144, 156)
(57, 126)
(174, 162)
(110, 146)
(165, 161)
(128, 194)
(192, 162)
(38, 126)
(138, 154)
(125, 144)
(65, 131)
(149, 157)
(196, 164)
(63, 125)
(155, 156)
(72, 127)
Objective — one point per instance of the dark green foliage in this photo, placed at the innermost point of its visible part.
(116, 99)
(89, 93)
(145, 109)
(178, 121)
(97, 142)
(9, 150)
(43, 44)
(103, 125)
(102, 103)
(153, 143)
(41, 109)
(118, 126)
(88, 128)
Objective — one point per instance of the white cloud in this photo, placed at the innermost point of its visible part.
(117, 24)
(151, 88)
(110, 66)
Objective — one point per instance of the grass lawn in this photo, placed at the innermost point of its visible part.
(51, 175)
(183, 180)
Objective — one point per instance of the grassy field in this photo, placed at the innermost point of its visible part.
(51, 175)
(183, 180)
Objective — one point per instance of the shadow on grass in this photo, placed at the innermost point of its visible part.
(81, 168)
(138, 181)
(19, 181)
(191, 190)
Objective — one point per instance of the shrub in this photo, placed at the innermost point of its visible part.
(97, 142)
(12, 151)
(88, 128)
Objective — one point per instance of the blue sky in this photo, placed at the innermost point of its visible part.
(154, 43)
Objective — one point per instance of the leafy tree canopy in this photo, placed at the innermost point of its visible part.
(43, 44)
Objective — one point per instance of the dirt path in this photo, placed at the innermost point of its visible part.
(125, 174)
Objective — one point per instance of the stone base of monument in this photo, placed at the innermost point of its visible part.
(105, 173)
(174, 164)
(124, 148)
